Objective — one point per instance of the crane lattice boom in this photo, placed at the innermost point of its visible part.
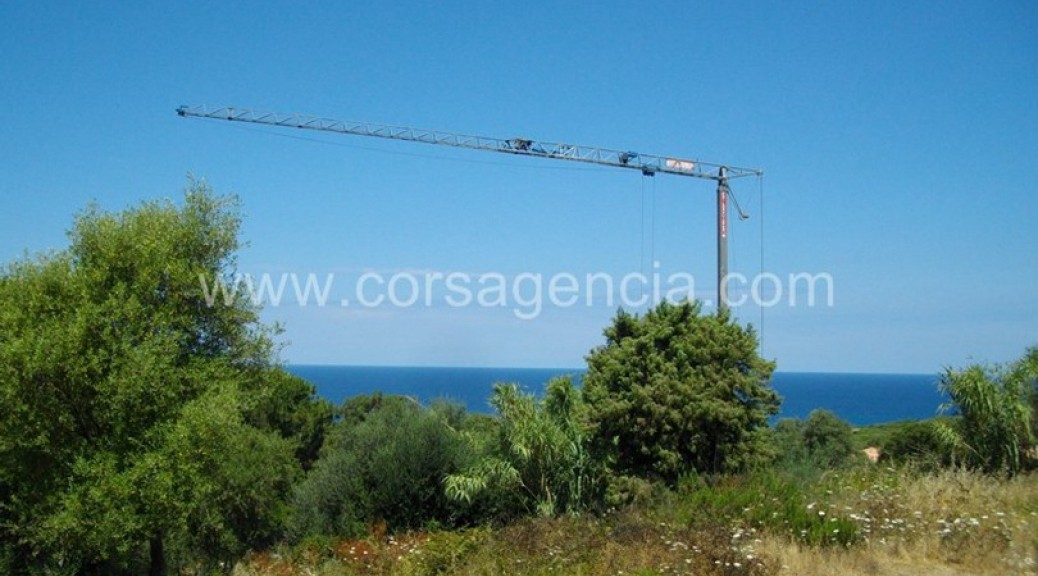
(649, 164)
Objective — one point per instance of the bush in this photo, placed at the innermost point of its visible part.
(827, 438)
(788, 439)
(805, 448)
(540, 460)
(384, 465)
(917, 443)
(995, 428)
(676, 390)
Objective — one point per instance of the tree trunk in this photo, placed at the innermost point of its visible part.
(158, 557)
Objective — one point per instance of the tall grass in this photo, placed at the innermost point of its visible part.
(893, 521)
(953, 521)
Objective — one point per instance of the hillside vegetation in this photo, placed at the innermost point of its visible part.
(149, 429)
(868, 520)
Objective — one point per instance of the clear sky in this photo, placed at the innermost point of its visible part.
(899, 142)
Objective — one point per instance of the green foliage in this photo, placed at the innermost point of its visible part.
(140, 425)
(230, 480)
(918, 443)
(1026, 371)
(541, 458)
(763, 500)
(632, 492)
(995, 427)
(791, 455)
(878, 435)
(806, 449)
(827, 438)
(676, 390)
(383, 462)
(278, 400)
(788, 438)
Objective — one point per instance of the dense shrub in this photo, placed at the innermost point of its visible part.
(917, 443)
(827, 438)
(540, 460)
(788, 440)
(995, 429)
(383, 465)
(806, 447)
(677, 390)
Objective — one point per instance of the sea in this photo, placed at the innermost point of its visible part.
(861, 399)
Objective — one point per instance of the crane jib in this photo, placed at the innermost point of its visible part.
(649, 164)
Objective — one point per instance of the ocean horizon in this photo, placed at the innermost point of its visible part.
(859, 398)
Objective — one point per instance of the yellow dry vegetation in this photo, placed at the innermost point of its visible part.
(953, 522)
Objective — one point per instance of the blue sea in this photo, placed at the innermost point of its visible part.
(860, 399)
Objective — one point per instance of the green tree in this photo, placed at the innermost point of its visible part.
(541, 459)
(828, 439)
(675, 390)
(383, 462)
(788, 437)
(141, 425)
(995, 429)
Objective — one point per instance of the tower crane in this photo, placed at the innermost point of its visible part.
(648, 164)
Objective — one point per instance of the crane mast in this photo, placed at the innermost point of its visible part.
(648, 164)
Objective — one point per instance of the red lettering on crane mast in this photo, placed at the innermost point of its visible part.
(723, 213)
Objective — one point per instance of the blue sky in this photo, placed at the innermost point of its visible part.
(898, 140)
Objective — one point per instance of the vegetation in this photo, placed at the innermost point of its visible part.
(145, 431)
(995, 429)
(383, 467)
(675, 391)
(142, 428)
(864, 520)
(821, 442)
(918, 443)
(541, 456)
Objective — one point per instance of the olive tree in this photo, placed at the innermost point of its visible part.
(383, 462)
(142, 425)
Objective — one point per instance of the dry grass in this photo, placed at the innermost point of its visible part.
(930, 525)
(954, 522)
